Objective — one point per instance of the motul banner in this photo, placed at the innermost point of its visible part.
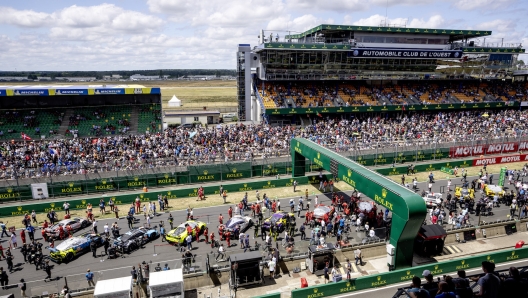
(476, 150)
(500, 159)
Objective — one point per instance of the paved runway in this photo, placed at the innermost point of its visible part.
(158, 251)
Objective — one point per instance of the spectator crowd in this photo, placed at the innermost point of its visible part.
(183, 146)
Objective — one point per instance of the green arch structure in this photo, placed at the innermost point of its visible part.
(408, 208)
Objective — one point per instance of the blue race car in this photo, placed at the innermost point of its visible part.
(68, 249)
(135, 238)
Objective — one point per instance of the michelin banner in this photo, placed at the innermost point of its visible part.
(398, 53)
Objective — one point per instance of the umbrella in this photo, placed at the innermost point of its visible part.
(192, 134)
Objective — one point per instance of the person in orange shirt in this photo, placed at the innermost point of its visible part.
(221, 219)
(273, 206)
(197, 231)
(221, 232)
(23, 236)
(230, 212)
(212, 236)
(206, 232)
(189, 230)
(228, 238)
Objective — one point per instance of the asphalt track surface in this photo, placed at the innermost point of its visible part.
(159, 252)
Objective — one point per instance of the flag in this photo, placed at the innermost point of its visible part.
(24, 136)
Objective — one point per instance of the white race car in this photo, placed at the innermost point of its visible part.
(432, 199)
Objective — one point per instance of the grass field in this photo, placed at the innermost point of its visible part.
(193, 94)
(472, 171)
(183, 203)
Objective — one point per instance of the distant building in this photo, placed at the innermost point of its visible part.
(76, 79)
(43, 78)
(138, 77)
(9, 79)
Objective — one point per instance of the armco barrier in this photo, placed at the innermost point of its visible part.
(152, 196)
(427, 167)
(406, 275)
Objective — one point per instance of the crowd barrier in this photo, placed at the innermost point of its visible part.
(153, 196)
(446, 165)
(205, 173)
(406, 275)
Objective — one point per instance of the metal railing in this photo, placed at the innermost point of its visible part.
(266, 159)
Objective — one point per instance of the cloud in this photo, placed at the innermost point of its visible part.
(105, 16)
(24, 18)
(482, 4)
(435, 21)
(298, 24)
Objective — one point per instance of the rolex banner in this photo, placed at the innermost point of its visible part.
(39, 191)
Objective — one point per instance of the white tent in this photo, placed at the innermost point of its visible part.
(174, 102)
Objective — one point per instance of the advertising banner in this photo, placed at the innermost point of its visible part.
(500, 160)
(476, 150)
(30, 92)
(109, 91)
(390, 108)
(71, 92)
(405, 53)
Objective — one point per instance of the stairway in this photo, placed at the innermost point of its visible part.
(134, 121)
(65, 121)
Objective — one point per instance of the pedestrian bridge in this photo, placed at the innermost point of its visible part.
(408, 209)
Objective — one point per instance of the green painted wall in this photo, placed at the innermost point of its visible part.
(406, 275)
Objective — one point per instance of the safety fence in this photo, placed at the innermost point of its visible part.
(95, 177)
(99, 183)
(153, 196)
(406, 275)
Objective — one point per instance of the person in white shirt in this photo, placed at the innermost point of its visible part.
(106, 230)
(316, 200)
(371, 233)
(221, 251)
(94, 226)
(358, 224)
(271, 266)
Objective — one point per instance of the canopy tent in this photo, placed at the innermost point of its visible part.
(174, 102)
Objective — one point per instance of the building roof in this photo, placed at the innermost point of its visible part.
(455, 34)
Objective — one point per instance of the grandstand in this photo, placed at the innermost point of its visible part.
(78, 111)
(348, 69)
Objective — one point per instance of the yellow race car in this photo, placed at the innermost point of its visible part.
(492, 190)
(464, 192)
(179, 234)
(68, 249)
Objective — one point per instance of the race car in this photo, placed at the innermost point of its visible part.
(179, 234)
(464, 193)
(243, 222)
(492, 190)
(75, 223)
(135, 238)
(321, 210)
(280, 219)
(72, 247)
(432, 199)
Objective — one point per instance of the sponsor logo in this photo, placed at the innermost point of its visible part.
(269, 185)
(381, 199)
(166, 181)
(407, 276)
(71, 189)
(462, 265)
(512, 257)
(349, 172)
(135, 183)
(316, 294)
(348, 288)
(485, 149)
(489, 259)
(349, 181)
(379, 282)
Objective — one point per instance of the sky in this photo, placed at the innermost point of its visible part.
(68, 35)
